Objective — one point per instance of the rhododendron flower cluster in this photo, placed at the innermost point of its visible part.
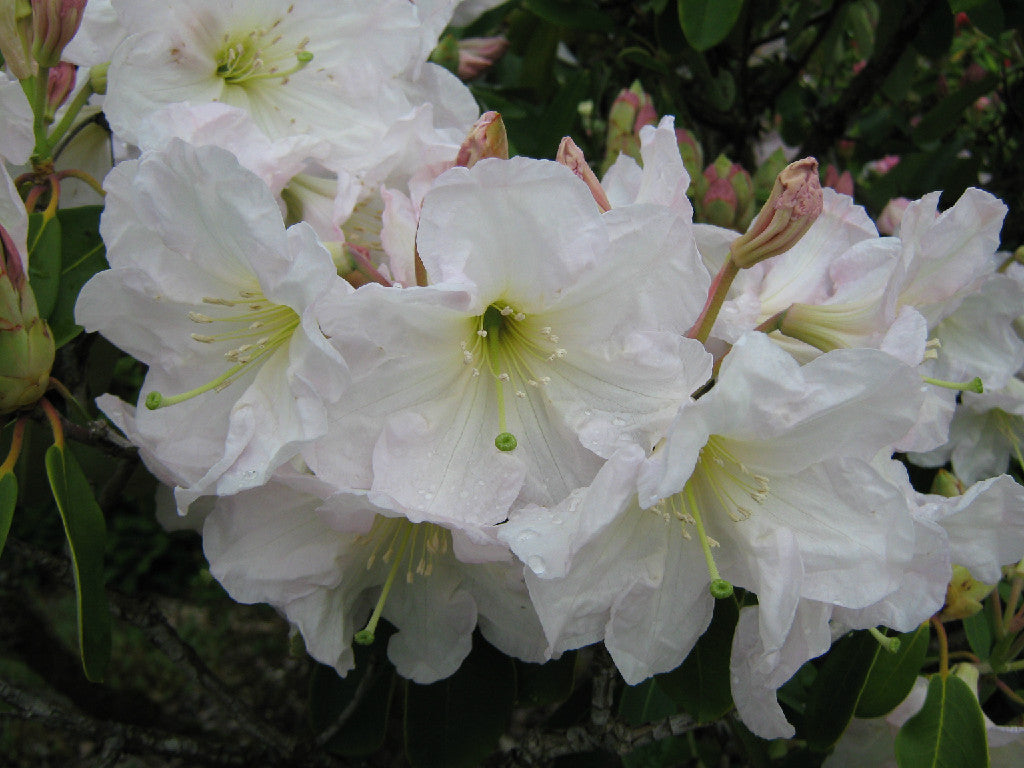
(394, 374)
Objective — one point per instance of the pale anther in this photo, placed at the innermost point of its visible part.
(199, 317)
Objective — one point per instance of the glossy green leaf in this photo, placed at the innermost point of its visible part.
(8, 498)
(44, 262)
(550, 683)
(330, 695)
(893, 674)
(707, 22)
(979, 634)
(456, 723)
(833, 697)
(646, 702)
(86, 533)
(701, 684)
(948, 732)
(82, 256)
(572, 14)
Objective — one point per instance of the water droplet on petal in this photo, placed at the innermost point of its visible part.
(537, 565)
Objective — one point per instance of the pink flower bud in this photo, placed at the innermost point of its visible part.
(477, 54)
(793, 206)
(54, 23)
(631, 111)
(892, 215)
(718, 205)
(487, 138)
(16, 37)
(883, 165)
(572, 157)
(60, 83)
(840, 182)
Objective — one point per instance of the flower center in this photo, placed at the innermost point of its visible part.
(719, 480)
(399, 543)
(254, 328)
(513, 350)
(260, 55)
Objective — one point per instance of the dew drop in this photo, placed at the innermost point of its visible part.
(537, 565)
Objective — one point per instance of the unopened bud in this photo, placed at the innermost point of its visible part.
(446, 54)
(54, 23)
(691, 152)
(98, 78)
(892, 216)
(487, 138)
(572, 158)
(477, 54)
(16, 37)
(793, 206)
(60, 83)
(718, 203)
(947, 484)
(26, 345)
(631, 111)
(963, 595)
(840, 182)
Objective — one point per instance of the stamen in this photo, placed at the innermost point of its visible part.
(720, 588)
(365, 636)
(891, 644)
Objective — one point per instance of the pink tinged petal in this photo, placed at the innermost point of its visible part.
(944, 254)
(507, 618)
(435, 617)
(493, 225)
(655, 623)
(985, 526)
(17, 139)
(755, 678)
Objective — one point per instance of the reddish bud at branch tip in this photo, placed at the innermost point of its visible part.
(571, 156)
(487, 138)
(794, 205)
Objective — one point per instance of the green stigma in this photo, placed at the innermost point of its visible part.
(890, 644)
(974, 385)
(506, 442)
(720, 589)
(154, 400)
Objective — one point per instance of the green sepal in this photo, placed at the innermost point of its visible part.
(86, 533)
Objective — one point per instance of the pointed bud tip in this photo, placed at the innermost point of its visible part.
(487, 138)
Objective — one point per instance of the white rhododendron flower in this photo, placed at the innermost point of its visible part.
(752, 488)
(210, 291)
(339, 71)
(326, 565)
(549, 335)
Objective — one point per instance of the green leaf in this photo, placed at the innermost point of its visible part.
(86, 532)
(83, 255)
(833, 697)
(675, 750)
(8, 498)
(979, 634)
(456, 723)
(44, 261)
(646, 702)
(893, 674)
(948, 732)
(963, 5)
(701, 684)
(550, 683)
(572, 14)
(329, 695)
(707, 22)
